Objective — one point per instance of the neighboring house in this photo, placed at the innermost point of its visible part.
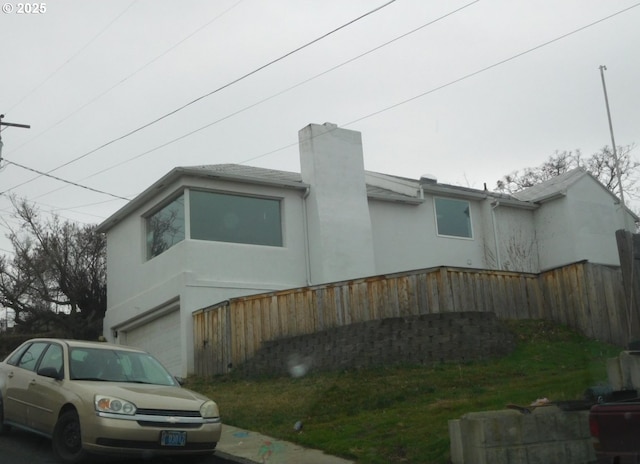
(201, 235)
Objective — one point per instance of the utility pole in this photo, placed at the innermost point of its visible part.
(23, 126)
(9, 124)
(613, 144)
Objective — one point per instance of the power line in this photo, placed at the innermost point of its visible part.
(227, 85)
(54, 211)
(122, 81)
(460, 79)
(46, 174)
(467, 76)
(73, 56)
(494, 65)
(188, 134)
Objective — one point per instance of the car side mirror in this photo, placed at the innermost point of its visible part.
(51, 372)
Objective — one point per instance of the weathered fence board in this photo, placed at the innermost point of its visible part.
(629, 253)
(585, 296)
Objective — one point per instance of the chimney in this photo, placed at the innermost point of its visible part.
(339, 225)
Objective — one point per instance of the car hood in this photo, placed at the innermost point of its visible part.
(149, 396)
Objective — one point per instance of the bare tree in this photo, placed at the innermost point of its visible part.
(164, 230)
(601, 165)
(56, 280)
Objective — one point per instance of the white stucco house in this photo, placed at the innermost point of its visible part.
(204, 234)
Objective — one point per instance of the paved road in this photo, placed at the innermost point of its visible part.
(19, 447)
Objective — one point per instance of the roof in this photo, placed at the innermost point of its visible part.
(384, 187)
(249, 172)
(243, 174)
(432, 187)
(557, 187)
(553, 187)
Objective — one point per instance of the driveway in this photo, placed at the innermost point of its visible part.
(19, 447)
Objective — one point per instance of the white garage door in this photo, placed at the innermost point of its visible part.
(161, 338)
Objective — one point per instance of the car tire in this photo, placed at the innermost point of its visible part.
(3, 428)
(67, 439)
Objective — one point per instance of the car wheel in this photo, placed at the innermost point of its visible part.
(3, 428)
(67, 438)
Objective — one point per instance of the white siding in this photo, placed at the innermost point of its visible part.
(405, 237)
(595, 220)
(197, 273)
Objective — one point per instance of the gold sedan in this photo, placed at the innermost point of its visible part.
(103, 398)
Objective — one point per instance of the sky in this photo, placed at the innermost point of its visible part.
(119, 92)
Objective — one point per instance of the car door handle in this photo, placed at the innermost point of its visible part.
(10, 375)
(32, 381)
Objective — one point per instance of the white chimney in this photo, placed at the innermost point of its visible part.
(340, 236)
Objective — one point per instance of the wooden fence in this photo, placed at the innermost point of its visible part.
(629, 253)
(584, 296)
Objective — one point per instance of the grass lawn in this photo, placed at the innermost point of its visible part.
(399, 414)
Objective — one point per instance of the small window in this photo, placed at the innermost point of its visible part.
(30, 357)
(453, 217)
(15, 357)
(235, 218)
(165, 228)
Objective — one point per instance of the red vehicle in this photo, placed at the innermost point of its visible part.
(615, 431)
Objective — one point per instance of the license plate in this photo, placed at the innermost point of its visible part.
(173, 438)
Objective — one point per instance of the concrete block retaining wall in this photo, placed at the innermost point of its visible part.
(546, 436)
(424, 340)
(623, 371)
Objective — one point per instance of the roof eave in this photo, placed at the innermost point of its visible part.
(452, 192)
(514, 203)
(180, 172)
(395, 199)
(245, 179)
(550, 197)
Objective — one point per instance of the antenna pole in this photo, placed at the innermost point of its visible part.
(613, 144)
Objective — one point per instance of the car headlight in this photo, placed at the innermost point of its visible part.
(114, 405)
(209, 409)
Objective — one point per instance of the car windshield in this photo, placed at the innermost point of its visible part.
(108, 365)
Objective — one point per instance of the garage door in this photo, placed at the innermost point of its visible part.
(161, 338)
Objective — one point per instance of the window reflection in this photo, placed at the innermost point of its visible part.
(217, 217)
(453, 217)
(165, 228)
(235, 218)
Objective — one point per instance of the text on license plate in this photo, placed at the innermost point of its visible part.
(173, 438)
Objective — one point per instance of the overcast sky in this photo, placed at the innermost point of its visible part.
(464, 90)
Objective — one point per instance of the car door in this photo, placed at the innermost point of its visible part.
(13, 409)
(19, 377)
(45, 393)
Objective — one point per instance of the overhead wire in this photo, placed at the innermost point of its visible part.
(225, 86)
(455, 81)
(494, 65)
(47, 174)
(460, 79)
(83, 48)
(253, 105)
(122, 81)
(75, 184)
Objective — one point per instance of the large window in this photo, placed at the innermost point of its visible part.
(235, 218)
(216, 217)
(165, 228)
(453, 217)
